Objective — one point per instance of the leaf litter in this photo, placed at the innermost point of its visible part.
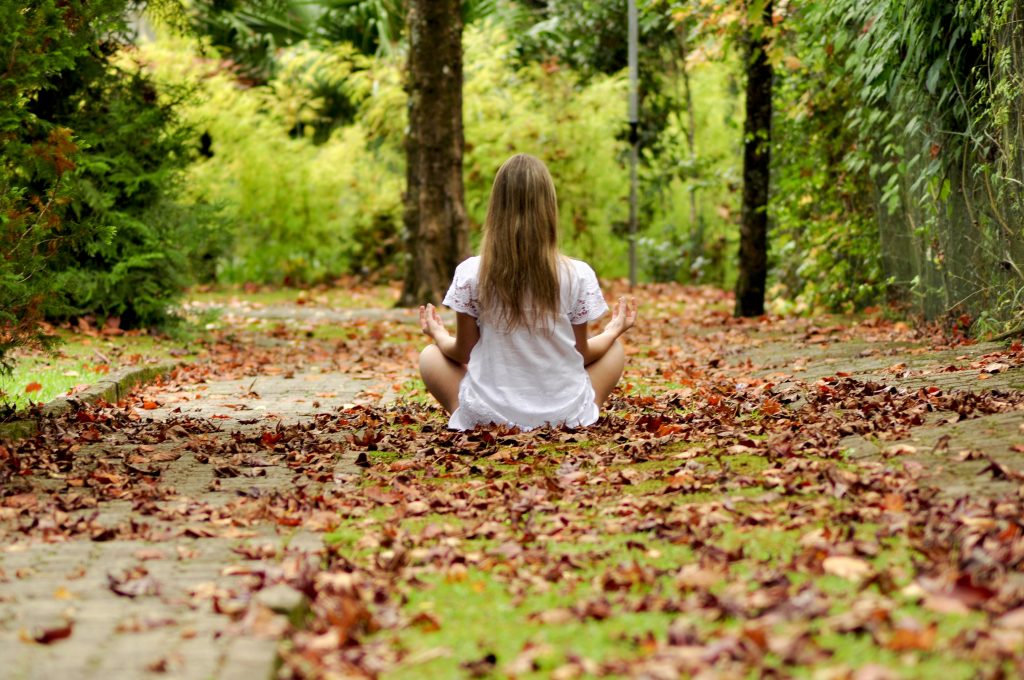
(713, 501)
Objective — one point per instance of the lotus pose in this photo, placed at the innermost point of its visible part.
(520, 355)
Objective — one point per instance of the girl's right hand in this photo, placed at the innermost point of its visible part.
(431, 323)
(623, 316)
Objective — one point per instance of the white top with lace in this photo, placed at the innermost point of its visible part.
(527, 378)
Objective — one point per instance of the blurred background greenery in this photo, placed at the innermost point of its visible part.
(148, 146)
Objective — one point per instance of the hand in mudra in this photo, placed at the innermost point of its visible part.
(623, 316)
(431, 323)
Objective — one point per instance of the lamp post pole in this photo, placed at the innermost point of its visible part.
(634, 137)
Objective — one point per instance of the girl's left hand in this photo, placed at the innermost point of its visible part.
(623, 316)
(431, 323)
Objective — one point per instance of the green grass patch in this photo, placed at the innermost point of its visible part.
(478, 616)
(383, 457)
(855, 650)
(345, 295)
(78, 361)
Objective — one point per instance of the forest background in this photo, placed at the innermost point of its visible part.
(148, 147)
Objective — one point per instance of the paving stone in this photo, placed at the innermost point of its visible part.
(936, 446)
(941, 450)
(282, 599)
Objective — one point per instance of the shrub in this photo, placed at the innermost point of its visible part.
(302, 212)
(91, 153)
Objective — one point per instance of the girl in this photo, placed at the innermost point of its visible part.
(520, 355)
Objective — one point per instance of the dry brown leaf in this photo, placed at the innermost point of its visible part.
(849, 568)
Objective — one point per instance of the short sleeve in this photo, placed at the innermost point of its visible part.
(589, 303)
(462, 294)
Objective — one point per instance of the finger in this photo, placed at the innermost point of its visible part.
(627, 313)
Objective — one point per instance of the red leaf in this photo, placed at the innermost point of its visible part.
(770, 407)
(910, 637)
(49, 635)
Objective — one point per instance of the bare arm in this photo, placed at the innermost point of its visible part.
(592, 349)
(456, 347)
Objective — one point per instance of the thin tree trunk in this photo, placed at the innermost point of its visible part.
(435, 213)
(696, 224)
(753, 256)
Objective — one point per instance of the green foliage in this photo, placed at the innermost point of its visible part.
(589, 37)
(690, 190)
(36, 162)
(825, 239)
(279, 192)
(900, 125)
(289, 207)
(569, 125)
(136, 149)
(688, 129)
(897, 164)
(90, 154)
(302, 212)
(251, 31)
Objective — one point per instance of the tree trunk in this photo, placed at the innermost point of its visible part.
(435, 213)
(753, 259)
(696, 223)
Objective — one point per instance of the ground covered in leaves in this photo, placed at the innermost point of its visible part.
(714, 522)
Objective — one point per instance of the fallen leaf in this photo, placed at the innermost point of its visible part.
(426, 622)
(909, 635)
(53, 634)
(849, 568)
(1013, 619)
(900, 450)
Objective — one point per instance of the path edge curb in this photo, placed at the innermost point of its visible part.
(112, 389)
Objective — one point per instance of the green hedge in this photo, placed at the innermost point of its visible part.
(92, 154)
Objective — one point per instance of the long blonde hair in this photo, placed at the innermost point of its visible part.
(519, 259)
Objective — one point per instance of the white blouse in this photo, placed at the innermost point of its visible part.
(525, 378)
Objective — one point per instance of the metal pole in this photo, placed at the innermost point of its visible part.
(634, 137)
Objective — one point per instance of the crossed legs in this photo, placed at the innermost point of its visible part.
(606, 372)
(442, 376)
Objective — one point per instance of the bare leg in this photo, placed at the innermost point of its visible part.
(606, 371)
(442, 376)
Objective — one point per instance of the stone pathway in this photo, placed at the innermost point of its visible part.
(163, 621)
(947, 451)
(242, 311)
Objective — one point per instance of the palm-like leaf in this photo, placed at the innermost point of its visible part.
(373, 26)
(250, 31)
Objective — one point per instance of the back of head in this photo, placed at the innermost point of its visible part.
(519, 258)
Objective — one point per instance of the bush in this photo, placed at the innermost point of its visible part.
(302, 206)
(302, 212)
(290, 209)
(91, 158)
(897, 156)
(136, 148)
